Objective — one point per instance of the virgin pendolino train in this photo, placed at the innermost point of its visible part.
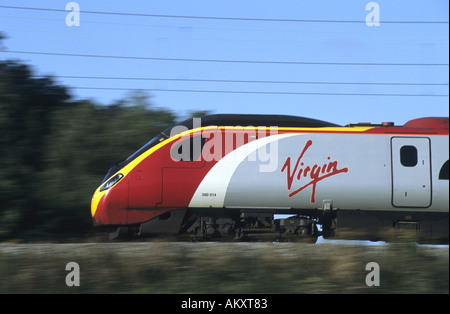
(226, 176)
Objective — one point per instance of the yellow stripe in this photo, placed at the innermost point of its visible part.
(331, 129)
(325, 129)
(95, 200)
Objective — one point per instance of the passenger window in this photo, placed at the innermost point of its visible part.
(444, 173)
(408, 156)
(188, 150)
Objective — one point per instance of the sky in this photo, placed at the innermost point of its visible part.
(318, 59)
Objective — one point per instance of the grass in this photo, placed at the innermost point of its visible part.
(236, 268)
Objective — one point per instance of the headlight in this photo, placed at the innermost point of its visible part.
(110, 183)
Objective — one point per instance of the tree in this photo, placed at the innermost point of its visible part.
(55, 151)
(26, 106)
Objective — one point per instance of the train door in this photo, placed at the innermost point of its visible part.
(411, 172)
(185, 168)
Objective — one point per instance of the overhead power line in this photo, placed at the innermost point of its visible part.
(257, 92)
(222, 60)
(221, 18)
(246, 81)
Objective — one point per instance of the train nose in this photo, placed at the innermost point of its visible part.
(110, 201)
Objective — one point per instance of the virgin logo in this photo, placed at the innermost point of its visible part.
(314, 173)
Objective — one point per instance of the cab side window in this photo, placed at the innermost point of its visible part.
(188, 150)
(408, 156)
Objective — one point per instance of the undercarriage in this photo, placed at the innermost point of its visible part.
(228, 225)
(264, 225)
(254, 227)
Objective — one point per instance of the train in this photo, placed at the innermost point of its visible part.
(236, 177)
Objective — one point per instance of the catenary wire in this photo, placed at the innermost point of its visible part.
(220, 18)
(256, 92)
(246, 81)
(221, 60)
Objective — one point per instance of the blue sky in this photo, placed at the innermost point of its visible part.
(284, 44)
